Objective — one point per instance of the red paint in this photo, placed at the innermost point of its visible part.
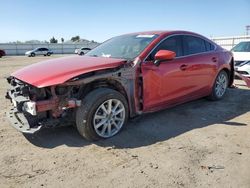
(165, 55)
(170, 82)
(46, 105)
(57, 71)
(181, 79)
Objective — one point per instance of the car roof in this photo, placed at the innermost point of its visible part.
(163, 32)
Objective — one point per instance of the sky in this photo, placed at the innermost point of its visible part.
(99, 20)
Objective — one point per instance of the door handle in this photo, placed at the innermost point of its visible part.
(214, 59)
(183, 67)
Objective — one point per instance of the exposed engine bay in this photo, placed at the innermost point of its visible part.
(33, 108)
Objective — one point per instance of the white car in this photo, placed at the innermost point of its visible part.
(82, 51)
(243, 69)
(241, 54)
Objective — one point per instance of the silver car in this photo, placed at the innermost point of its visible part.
(39, 51)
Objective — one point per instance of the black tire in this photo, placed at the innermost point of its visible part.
(90, 104)
(32, 54)
(82, 53)
(48, 54)
(214, 96)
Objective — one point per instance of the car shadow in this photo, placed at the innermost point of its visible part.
(155, 127)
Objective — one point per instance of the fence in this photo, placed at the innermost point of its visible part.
(229, 42)
(62, 48)
(69, 48)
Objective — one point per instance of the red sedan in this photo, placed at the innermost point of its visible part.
(2, 53)
(125, 76)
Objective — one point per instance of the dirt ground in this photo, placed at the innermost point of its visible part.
(198, 144)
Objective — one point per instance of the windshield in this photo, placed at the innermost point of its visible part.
(122, 47)
(242, 47)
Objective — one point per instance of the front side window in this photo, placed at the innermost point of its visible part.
(193, 45)
(172, 43)
(123, 47)
(242, 47)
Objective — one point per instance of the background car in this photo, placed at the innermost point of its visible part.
(241, 53)
(2, 53)
(243, 69)
(82, 51)
(39, 51)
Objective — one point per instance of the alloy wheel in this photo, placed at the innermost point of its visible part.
(221, 85)
(109, 118)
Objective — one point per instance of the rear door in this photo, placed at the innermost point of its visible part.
(44, 51)
(39, 51)
(202, 63)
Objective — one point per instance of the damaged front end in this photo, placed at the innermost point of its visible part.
(34, 108)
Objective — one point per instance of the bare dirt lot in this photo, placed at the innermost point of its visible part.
(198, 144)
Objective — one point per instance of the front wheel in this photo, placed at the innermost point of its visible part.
(48, 54)
(220, 86)
(102, 114)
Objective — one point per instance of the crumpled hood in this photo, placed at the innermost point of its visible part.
(59, 70)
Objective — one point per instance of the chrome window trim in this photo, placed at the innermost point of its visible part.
(215, 47)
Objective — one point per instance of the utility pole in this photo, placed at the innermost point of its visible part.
(247, 29)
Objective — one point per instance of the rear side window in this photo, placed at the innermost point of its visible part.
(172, 43)
(209, 46)
(194, 45)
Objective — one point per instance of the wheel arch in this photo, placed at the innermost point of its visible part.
(230, 72)
(105, 83)
(111, 84)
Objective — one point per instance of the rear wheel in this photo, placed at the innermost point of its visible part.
(48, 54)
(220, 86)
(102, 114)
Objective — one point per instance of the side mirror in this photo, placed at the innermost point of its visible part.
(163, 55)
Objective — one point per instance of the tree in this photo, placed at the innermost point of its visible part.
(53, 40)
(62, 40)
(75, 39)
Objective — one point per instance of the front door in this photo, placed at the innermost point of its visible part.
(165, 84)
